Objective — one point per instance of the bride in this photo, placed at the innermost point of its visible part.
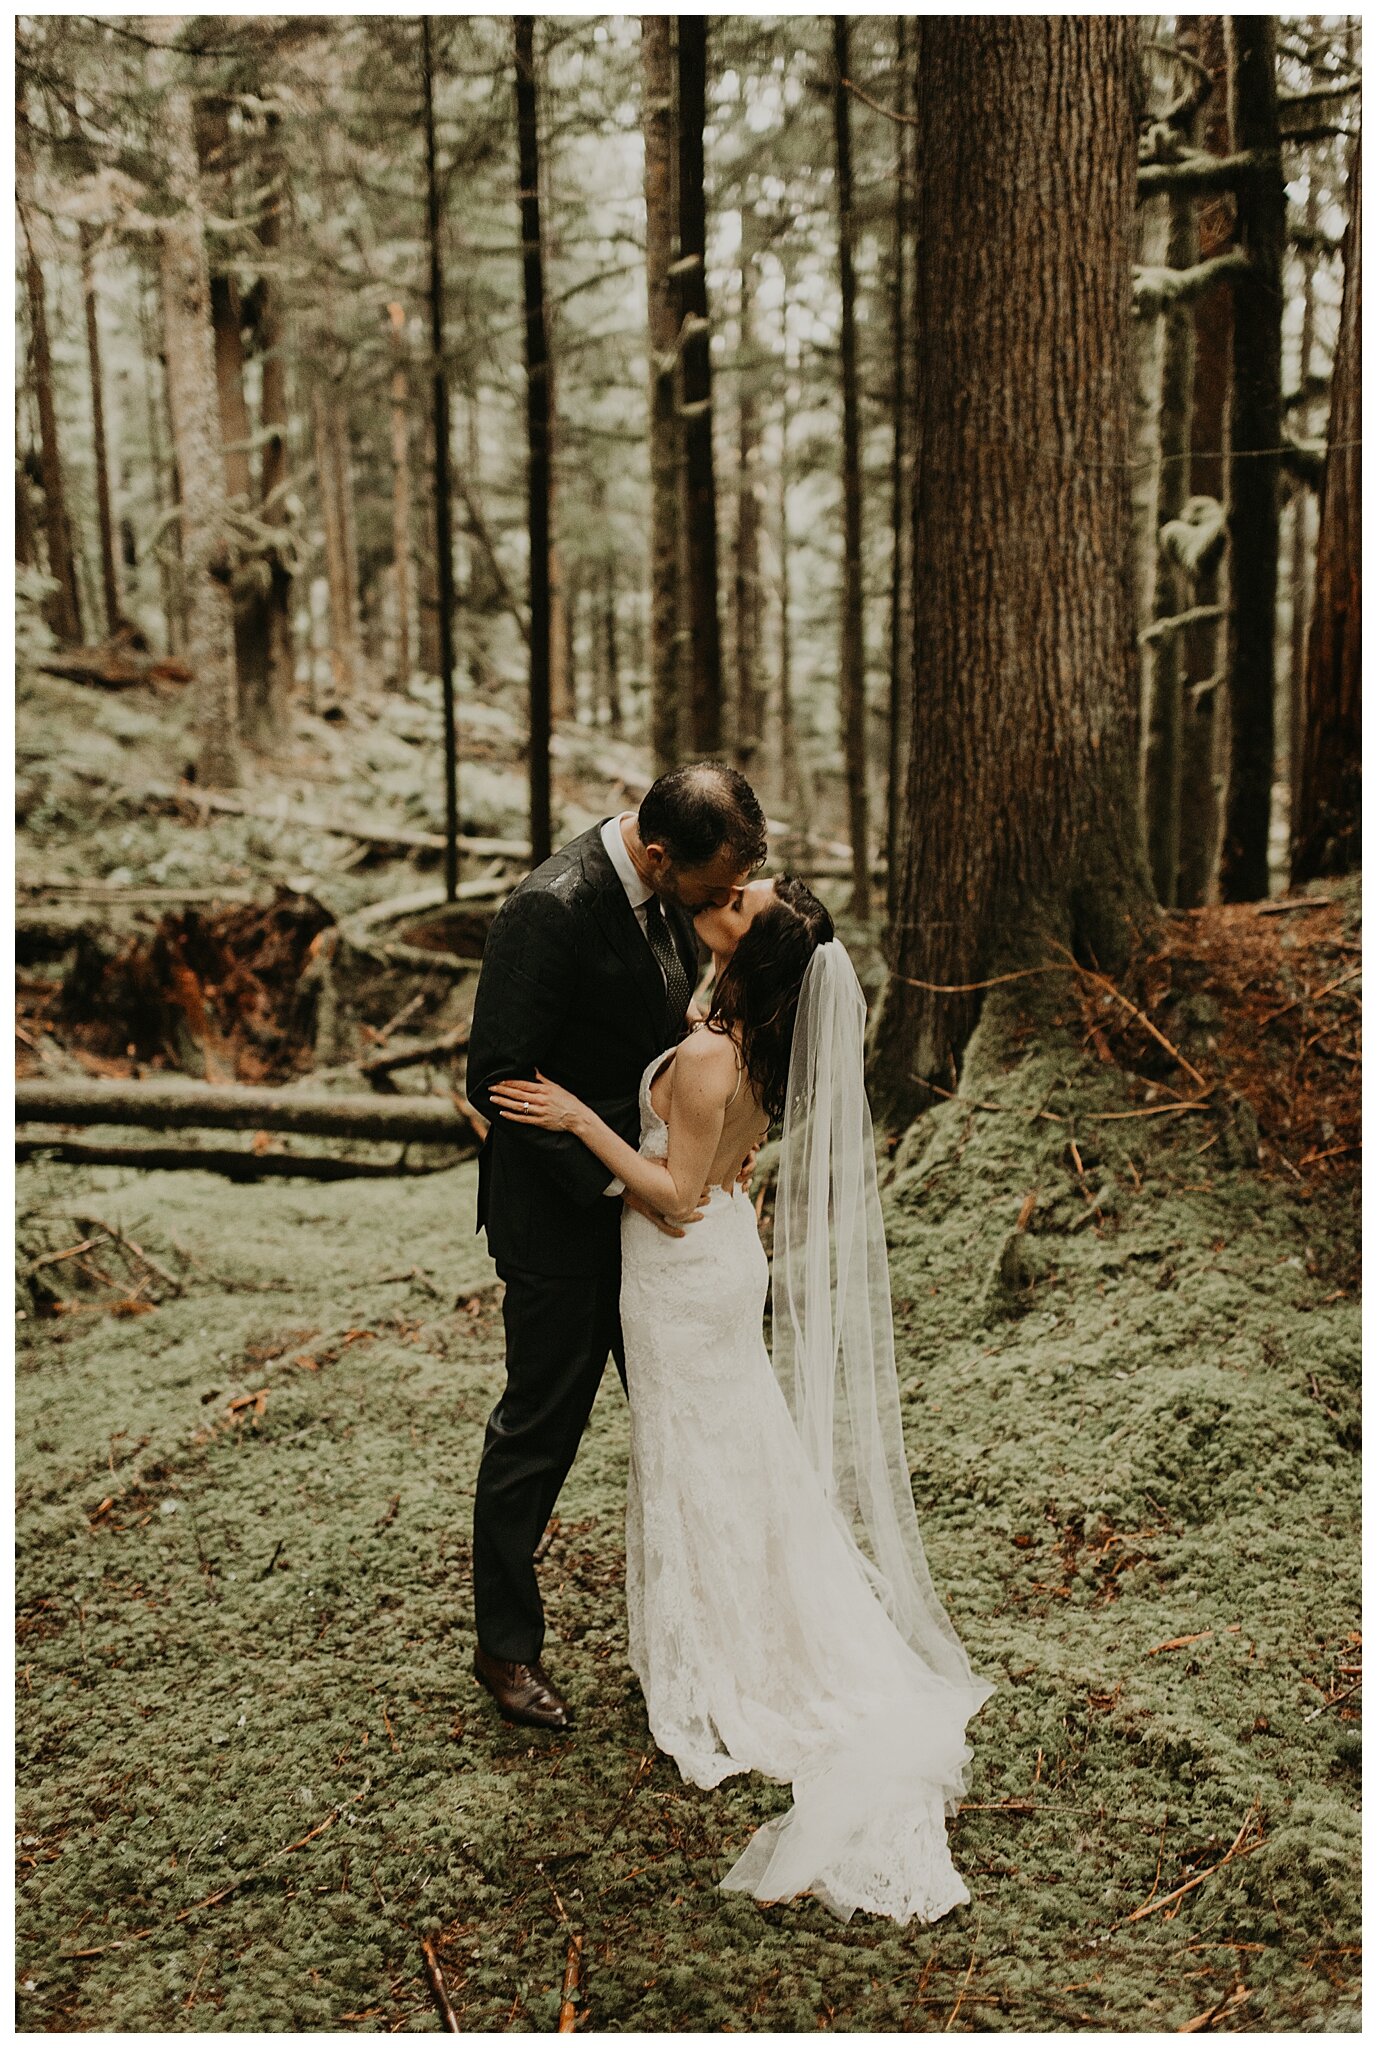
(780, 1613)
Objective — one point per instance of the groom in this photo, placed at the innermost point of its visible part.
(588, 972)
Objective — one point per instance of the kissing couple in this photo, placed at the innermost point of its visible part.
(780, 1614)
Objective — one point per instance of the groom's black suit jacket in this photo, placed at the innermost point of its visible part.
(568, 984)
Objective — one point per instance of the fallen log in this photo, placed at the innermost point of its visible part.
(119, 893)
(237, 1166)
(376, 831)
(392, 908)
(182, 1105)
(436, 1049)
(112, 668)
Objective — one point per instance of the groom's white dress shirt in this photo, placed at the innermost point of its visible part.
(638, 895)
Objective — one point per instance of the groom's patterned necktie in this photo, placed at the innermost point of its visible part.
(677, 986)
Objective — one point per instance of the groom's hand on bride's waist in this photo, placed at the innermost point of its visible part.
(660, 1222)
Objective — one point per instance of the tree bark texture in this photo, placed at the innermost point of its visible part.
(171, 568)
(1162, 757)
(537, 430)
(700, 489)
(657, 72)
(193, 404)
(611, 653)
(326, 403)
(901, 475)
(401, 497)
(1300, 495)
(252, 626)
(104, 515)
(270, 717)
(64, 610)
(1255, 426)
(1022, 825)
(853, 721)
(1203, 719)
(746, 705)
(439, 412)
(1327, 806)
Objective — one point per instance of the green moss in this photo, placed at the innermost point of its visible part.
(1151, 1436)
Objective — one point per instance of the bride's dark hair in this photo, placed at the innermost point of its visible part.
(758, 989)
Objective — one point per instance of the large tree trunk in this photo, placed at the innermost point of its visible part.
(538, 432)
(662, 348)
(64, 609)
(853, 720)
(192, 401)
(1254, 438)
(700, 511)
(746, 719)
(401, 499)
(1021, 821)
(1327, 806)
(104, 515)
(1203, 720)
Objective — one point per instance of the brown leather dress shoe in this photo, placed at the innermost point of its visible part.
(523, 1692)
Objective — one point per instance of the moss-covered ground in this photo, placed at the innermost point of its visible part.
(254, 1771)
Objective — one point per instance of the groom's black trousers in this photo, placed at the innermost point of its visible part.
(560, 1329)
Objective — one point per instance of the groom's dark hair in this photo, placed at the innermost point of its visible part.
(695, 809)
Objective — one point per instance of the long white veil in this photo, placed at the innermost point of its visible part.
(833, 1328)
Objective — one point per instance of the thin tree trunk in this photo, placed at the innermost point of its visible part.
(1022, 824)
(166, 487)
(271, 715)
(1327, 811)
(901, 478)
(609, 629)
(1165, 700)
(1254, 437)
(561, 677)
(746, 585)
(401, 498)
(428, 579)
(705, 696)
(192, 401)
(1300, 493)
(25, 533)
(105, 517)
(444, 529)
(795, 781)
(853, 719)
(64, 610)
(342, 457)
(662, 340)
(343, 648)
(1204, 719)
(538, 431)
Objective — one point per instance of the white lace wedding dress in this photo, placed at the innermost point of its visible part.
(754, 1629)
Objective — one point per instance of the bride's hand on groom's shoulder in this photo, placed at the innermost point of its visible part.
(541, 1104)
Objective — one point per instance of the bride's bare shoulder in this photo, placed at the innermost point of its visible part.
(708, 1059)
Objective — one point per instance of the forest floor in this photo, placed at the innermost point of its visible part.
(254, 1771)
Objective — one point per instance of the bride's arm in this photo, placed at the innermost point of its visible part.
(704, 1076)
